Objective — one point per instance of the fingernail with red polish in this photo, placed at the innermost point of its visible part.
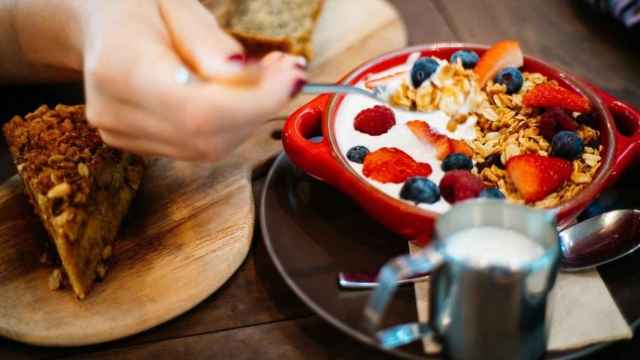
(301, 63)
(238, 58)
(297, 87)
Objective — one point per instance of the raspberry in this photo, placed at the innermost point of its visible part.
(375, 121)
(392, 165)
(554, 120)
(458, 185)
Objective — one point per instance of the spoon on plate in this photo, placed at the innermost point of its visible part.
(599, 240)
(583, 246)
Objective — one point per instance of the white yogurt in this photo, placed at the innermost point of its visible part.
(398, 136)
(493, 245)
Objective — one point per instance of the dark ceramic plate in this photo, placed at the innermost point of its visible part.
(312, 232)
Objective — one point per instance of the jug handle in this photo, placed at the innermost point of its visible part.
(401, 267)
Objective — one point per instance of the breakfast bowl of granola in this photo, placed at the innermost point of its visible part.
(463, 121)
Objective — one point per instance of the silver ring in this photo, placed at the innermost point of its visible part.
(184, 76)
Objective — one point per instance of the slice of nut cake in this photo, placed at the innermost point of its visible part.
(80, 187)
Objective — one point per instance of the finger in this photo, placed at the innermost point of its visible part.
(280, 80)
(272, 57)
(122, 116)
(195, 150)
(199, 40)
(136, 145)
(203, 106)
(147, 77)
(276, 56)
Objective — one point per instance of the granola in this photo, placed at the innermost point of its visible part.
(479, 126)
(515, 131)
(452, 89)
(504, 127)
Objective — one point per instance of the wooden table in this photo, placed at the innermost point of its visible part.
(255, 315)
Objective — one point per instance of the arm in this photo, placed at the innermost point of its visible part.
(40, 40)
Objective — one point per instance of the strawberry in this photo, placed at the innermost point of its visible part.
(552, 95)
(392, 165)
(375, 121)
(536, 176)
(384, 80)
(442, 143)
(502, 54)
(423, 131)
(458, 185)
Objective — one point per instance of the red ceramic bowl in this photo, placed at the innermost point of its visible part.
(619, 125)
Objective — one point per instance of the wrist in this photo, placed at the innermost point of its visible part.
(48, 35)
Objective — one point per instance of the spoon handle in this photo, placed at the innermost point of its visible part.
(319, 88)
(354, 281)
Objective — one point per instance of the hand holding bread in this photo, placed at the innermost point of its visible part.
(135, 56)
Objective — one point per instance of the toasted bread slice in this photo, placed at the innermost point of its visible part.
(268, 25)
(80, 187)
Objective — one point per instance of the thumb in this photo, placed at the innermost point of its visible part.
(200, 42)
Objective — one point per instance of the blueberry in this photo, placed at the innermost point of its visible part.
(567, 145)
(491, 193)
(457, 161)
(357, 154)
(511, 78)
(419, 189)
(489, 161)
(588, 119)
(422, 70)
(469, 59)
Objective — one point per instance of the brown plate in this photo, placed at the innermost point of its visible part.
(312, 232)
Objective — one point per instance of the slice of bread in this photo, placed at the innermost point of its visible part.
(267, 25)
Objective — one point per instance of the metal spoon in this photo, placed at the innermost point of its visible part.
(584, 246)
(352, 280)
(320, 88)
(600, 240)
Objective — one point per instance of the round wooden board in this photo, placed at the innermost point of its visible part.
(188, 231)
(190, 226)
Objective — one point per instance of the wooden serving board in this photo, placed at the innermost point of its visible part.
(189, 228)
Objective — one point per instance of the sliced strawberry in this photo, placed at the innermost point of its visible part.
(502, 54)
(537, 176)
(549, 95)
(384, 80)
(459, 146)
(442, 143)
(375, 121)
(392, 165)
(423, 131)
(443, 148)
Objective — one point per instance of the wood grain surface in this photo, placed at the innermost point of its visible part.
(254, 315)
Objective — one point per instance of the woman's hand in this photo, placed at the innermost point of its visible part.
(135, 56)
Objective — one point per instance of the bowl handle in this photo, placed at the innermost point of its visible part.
(315, 158)
(627, 131)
